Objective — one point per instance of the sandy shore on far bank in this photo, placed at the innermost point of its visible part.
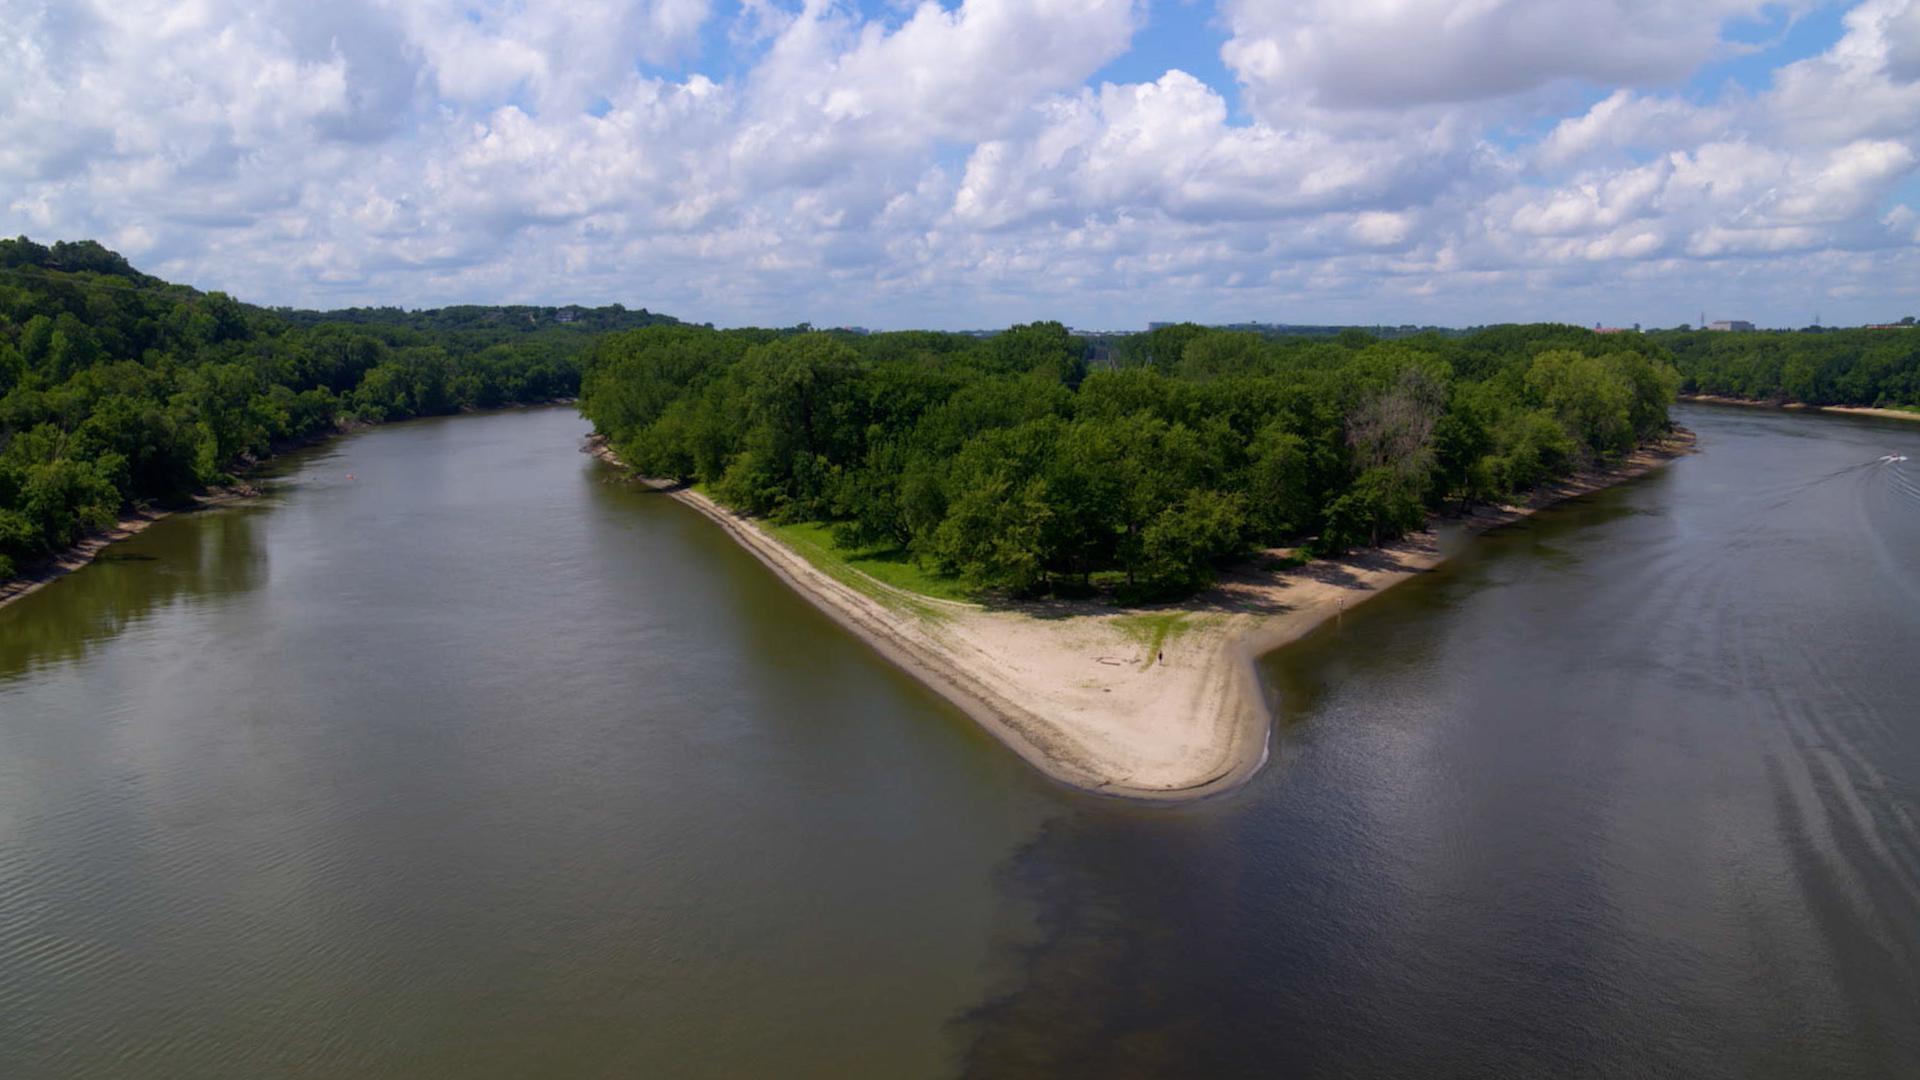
(1077, 689)
(1799, 406)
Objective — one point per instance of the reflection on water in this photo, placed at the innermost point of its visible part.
(221, 556)
(478, 764)
(1630, 789)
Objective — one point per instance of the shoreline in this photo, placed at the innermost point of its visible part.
(1800, 406)
(33, 577)
(1074, 687)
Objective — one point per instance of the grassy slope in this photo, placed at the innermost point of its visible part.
(874, 572)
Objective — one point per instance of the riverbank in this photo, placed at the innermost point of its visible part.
(38, 575)
(1799, 406)
(1161, 703)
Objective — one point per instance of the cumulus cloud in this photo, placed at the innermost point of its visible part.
(1867, 84)
(963, 162)
(1625, 121)
(1166, 147)
(1392, 54)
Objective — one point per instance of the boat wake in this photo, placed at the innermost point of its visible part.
(1898, 479)
(1789, 492)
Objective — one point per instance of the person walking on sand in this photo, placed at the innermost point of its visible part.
(1163, 658)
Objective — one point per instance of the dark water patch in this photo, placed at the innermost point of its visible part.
(1628, 789)
(129, 582)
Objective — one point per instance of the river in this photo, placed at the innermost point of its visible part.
(453, 758)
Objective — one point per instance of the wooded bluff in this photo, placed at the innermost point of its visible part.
(1031, 460)
(117, 388)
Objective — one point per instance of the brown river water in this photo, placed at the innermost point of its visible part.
(479, 764)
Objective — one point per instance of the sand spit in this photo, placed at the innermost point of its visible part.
(1798, 406)
(1865, 410)
(1079, 689)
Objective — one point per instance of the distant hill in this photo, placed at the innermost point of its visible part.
(473, 318)
(119, 388)
(91, 258)
(83, 256)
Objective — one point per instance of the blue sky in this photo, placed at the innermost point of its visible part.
(880, 163)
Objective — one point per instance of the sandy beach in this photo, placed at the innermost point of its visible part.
(1863, 410)
(1082, 691)
(1797, 406)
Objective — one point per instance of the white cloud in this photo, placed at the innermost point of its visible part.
(560, 56)
(1625, 120)
(1601, 202)
(1391, 54)
(1166, 147)
(960, 163)
(1866, 85)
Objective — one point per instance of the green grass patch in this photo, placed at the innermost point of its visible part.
(1293, 561)
(861, 568)
(1155, 632)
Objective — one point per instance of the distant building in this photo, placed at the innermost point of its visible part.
(1730, 324)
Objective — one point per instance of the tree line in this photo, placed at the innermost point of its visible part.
(117, 388)
(1879, 367)
(1013, 464)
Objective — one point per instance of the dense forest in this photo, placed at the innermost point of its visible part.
(1873, 367)
(118, 388)
(1011, 463)
(1027, 461)
(472, 325)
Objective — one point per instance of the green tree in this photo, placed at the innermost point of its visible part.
(1280, 484)
(1591, 397)
(1380, 506)
(1180, 545)
(1043, 347)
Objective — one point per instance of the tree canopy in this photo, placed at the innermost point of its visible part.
(1871, 367)
(1029, 460)
(1006, 462)
(118, 388)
